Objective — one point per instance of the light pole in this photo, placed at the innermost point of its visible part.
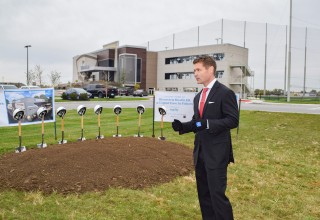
(27, 46)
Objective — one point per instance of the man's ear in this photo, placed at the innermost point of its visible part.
(211, 69)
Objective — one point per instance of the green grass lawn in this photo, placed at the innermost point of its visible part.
(293, 100)
(276, 174)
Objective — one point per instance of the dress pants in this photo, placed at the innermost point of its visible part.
(211, 186)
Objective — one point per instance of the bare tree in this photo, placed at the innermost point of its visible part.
(30, 77)
(38, 74)
(54, 78)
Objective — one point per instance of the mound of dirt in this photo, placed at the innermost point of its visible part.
(95, 165)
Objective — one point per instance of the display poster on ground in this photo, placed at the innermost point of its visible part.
(179, 105)
(28, 100)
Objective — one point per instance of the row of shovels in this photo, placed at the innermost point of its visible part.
(18, 115)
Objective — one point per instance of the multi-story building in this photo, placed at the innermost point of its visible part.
(126, 65)
(169, 70)
(175, 68)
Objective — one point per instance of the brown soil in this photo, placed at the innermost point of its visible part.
(95, 165)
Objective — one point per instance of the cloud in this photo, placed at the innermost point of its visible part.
(59, 30)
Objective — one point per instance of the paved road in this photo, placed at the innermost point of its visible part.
(264, 106)
(282, 107)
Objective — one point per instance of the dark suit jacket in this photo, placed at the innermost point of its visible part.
(221, 111)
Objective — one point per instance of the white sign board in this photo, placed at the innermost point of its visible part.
(179, 105)
(238, 99)
(28, 100)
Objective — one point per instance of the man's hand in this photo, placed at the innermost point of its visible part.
(199, 125)
(177, 125)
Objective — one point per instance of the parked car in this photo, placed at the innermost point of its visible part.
(125, 91)
(130, 90)
(100, 90)
(77, 91)
(140, 92)
(112, 92)
(122, 91)
(30, 87)
(7, 86)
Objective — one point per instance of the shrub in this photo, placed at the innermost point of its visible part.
(73, 96)
(64, 96)
(83, 96)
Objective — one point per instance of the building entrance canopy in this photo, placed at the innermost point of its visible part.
(88, 68)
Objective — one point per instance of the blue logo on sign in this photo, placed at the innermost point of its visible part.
(198, 124)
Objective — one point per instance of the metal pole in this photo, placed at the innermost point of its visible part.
(27, 66)
(153, 116)
(244, 34)
(305, 64)
(285, 63)
(55, 129)
(241, 92)
(198, 35)
(265, 61)
(222, 31)
(289, 55)
(173, 42)
(27, 46)
(253, 82)
(239, 116)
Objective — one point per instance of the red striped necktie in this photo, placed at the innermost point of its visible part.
(203, 100)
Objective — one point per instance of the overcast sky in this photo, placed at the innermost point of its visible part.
(58, 30)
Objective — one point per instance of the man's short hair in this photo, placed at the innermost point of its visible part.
(207, 61)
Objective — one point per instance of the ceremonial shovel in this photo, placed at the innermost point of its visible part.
(117, 110)
(81, 111)
(61, 111)
(162, 111)
(41, 113)
(140, 110)
(18, 115)
(98, 111)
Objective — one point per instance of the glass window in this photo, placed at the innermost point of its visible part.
(190, 89)
(106, 63)
(127, 69)
(174, 89)
(190, 59)
(219, 74)
(183, 75)
(139, 60)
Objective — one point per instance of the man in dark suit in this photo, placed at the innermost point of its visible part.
(215, 113)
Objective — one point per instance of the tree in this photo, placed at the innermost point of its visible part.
(277, 92)
(30, 77)
(137, 86)
(123, 77)
(38, 74)
(258, 92)
(54, 78)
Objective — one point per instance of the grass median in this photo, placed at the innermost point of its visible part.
(276, 174)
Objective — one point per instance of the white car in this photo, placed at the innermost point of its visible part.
(29, 87)
(7, 86)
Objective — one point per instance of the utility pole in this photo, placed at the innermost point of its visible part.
(285, 63)
(305, 64)
(289, 55)
(265, 61)
(27, 46)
